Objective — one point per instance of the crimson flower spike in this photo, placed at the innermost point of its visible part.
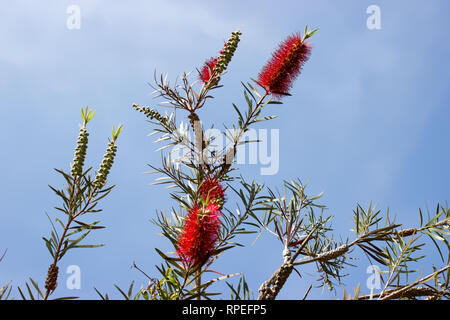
(212, 191)
(199, 235)
(214, 67)
(206, 71)
(278, 75)
(208, 68)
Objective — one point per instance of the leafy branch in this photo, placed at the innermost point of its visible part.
(307, 236)
(80, 196)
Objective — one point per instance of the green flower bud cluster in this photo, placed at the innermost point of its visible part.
(106, 165)
(80, 152)
(227, 53)
(151, 113)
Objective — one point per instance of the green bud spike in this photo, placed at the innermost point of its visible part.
(82, 143)
(226, 54)
(151, 113)
(108, 160)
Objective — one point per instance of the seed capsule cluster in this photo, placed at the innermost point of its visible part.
(52, 277)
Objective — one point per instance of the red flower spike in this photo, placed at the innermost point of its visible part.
(207, 69)
(210, 190)
(285, 65)
(199, 236)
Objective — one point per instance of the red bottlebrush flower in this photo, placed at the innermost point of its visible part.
(207, 69)
(285, 65)
(211, 191)
(199, 235)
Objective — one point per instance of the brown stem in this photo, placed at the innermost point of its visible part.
(198, 282)
(384, 295)
(409, 293)
(412, 231)
(270, 289)
(52, 273)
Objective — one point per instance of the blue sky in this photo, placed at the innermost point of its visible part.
(368, 119)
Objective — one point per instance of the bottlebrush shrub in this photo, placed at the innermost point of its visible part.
(204, 226)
